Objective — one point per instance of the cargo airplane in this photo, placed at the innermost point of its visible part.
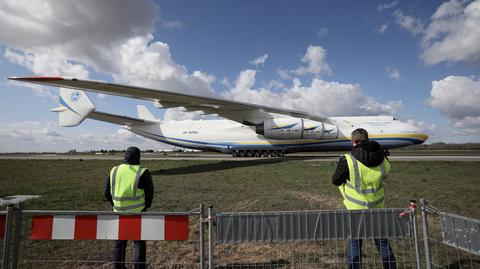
(247, 129)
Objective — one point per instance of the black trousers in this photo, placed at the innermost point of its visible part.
(140, 254)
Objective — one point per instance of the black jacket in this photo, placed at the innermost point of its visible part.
(370, 154)
(145, 183)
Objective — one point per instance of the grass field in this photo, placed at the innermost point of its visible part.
(239, 185)
(232, 185)
(257, 185)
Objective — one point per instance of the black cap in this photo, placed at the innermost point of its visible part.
(132, 155)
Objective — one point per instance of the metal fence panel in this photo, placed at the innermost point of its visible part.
(461, 232)
(446, 237)
(311, 225)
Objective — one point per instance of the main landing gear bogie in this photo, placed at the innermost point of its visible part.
(258, 153)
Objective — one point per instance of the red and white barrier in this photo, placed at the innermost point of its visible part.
(2, 226)
(110, 227)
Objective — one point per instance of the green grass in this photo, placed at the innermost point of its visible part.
(238, 185)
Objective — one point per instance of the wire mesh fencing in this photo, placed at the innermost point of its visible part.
(314, 239)
(451, 241)
(290, 239)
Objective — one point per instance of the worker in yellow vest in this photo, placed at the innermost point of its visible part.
(359, 176)
(129, 188)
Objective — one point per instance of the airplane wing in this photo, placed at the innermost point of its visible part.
(238, 111)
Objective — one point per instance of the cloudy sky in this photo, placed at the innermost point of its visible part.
(418, 60)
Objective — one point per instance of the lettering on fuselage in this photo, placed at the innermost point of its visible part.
(190, 132)
(378, 123)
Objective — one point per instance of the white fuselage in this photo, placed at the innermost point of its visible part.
(227, 136)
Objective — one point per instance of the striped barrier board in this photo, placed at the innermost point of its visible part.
(110, 227)
(2, 226)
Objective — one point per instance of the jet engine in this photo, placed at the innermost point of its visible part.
(295, 128)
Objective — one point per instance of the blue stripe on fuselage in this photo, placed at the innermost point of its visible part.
(232, 145)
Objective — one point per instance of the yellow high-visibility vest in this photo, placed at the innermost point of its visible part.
(364, 190)
(126, 195)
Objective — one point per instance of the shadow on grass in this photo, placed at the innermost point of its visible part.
(224, 165)
(210, 167)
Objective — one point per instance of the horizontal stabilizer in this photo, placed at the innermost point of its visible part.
(117, 119)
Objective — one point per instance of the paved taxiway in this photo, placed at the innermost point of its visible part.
(224, 157)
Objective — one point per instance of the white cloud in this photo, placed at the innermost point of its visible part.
(458, 99)
(179, 113)
(427, 128)
(383, 28)
(46, 64)
(57, 39)
(321, 97)
(64, 29)
(409, 23)
(322, 32)
(173, 24)
(260, 60)
(46, 136)
(383, 6)
(101, 95)
(284, 74)
(39, 90)
(315, 58)
(393, 73)
(452, 35)
(225, 82)
(144, 62)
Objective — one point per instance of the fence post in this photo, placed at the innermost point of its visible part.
(428, 260)
(18, 233)
(413, 206)
(210, 238)
(202, 236)
(6, 240)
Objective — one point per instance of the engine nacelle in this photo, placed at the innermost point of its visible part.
(294, 128)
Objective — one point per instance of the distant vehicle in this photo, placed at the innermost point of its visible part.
(248, 129)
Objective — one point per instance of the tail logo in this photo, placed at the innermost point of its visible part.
(75, 96)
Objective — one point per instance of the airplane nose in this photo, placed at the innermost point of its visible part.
(419, 136)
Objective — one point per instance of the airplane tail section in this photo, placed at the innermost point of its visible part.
(144, 113)
(74, 107)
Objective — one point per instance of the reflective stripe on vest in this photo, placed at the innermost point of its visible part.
(135, 198)
(356, 197)
(357, 176)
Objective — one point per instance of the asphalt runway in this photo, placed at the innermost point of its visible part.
(225, 157)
